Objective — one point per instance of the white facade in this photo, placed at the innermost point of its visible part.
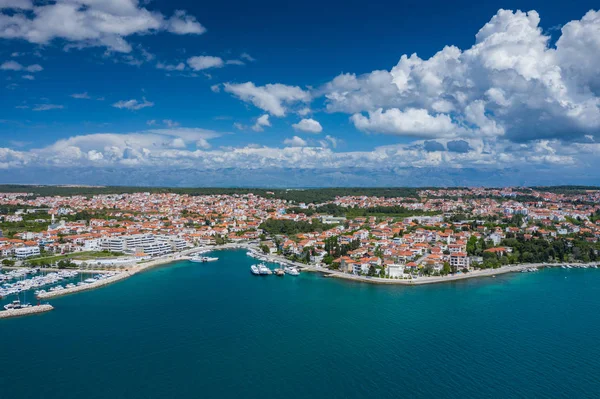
(395, 270)
(26, 252)
(157, 248)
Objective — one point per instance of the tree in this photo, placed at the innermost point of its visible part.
(265, 249)
(446, 269)
(8, 262)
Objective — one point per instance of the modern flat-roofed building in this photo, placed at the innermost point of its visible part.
(27, 252)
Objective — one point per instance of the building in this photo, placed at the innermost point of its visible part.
(459, 260)
(395, 270)
(156, 248)
(27, 252)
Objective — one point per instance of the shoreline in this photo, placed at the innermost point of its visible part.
(417, 281)
(271, 258)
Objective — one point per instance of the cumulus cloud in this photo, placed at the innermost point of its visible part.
(133, 105)
(308, 126)
(203, 62)
(272, 98)
(295, 142)
(183, 24)
(189, 148)
(85, 23)
(511, 83)
(412, 122)
(261, 123)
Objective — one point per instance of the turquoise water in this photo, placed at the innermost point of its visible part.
(215, 331)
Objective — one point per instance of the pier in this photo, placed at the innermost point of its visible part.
(5, 314)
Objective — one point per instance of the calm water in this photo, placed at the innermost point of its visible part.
(216, 331)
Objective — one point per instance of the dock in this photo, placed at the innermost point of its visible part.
(5, 314)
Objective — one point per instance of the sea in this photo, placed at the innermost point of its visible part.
(214, 330)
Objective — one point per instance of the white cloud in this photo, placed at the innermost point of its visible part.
(85, 23)
(170, 123)
(28, 77)
(272, 98)
(15, 66)
(47, 107)
(81, 96)
(511, 82)
(295, 142)
(183, 24)
(188, 148)
(133, 105)
(412, 122)
(308, 126)
(174, 67)
(235, 62)
(247, 57)
(261, 123)
(215, 88)
(203, 62)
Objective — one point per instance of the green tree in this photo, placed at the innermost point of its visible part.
(446, 269)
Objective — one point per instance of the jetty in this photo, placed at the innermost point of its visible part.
(5, 314)
(85, 287)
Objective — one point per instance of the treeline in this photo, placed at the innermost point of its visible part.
(541, 250)
(396, 211)
(290, 227)
(351, 212)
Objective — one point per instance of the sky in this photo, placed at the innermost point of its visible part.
(305, 94)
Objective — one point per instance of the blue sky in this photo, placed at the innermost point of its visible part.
(334, 93)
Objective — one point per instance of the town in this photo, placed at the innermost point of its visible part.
(436, 232)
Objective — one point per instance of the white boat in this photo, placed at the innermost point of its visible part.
(202, 259)
(16, 305)
(254, 270)
(292, 271)
(264, 270)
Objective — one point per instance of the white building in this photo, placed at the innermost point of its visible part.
(156, 248)
(395, 270)
(26, 252)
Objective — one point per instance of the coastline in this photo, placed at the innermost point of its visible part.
(412, 282)
(272, 258)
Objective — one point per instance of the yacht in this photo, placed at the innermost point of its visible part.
(254, 270)
(202, 259)
(16, 304)
(292, 271)
(264, 270)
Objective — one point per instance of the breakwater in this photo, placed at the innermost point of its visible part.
(97, 284)
(5, 314)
